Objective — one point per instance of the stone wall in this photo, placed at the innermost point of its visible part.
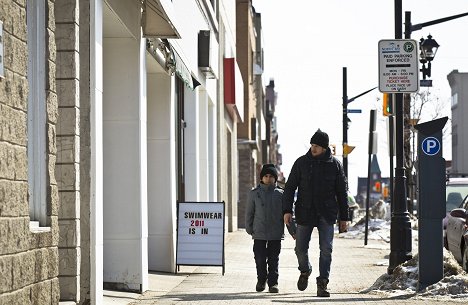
(68, 147)
(28, 259)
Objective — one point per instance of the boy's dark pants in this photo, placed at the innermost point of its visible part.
(266, 252)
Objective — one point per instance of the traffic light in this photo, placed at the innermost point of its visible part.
(377, 187)
(387, 108)
(386, 191)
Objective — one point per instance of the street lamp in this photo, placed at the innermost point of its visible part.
(400, 231)
(428, 49)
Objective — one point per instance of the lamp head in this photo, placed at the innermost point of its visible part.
(428, 48)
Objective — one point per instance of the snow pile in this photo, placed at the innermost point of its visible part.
(404, 280)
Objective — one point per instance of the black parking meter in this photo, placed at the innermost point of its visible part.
(431, 205)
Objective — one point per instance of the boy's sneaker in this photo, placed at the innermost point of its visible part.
(303, 280)
(260, 285)
(273, 289)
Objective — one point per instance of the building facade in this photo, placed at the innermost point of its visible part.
(257, 135)
(459, 85)
(111, 113)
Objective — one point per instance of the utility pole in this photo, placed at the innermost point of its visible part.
(346, 120)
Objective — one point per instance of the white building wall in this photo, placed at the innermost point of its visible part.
(96, 171)
(124, 121)
(203, 177)
(211, 153)
(161, 172)
(458, 84)
(192, 145)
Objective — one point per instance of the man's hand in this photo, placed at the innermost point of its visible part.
(287, 218)
(343, 226)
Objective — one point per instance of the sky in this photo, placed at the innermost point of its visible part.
(306, 45)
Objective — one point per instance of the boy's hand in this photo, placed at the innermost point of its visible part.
(287, 218)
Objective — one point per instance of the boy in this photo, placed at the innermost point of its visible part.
(264, 221)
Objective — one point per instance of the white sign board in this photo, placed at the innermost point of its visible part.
(200, 234)
(398, 66)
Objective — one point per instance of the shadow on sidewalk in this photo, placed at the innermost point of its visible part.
(281, 298)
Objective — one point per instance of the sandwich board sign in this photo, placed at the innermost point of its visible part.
(398, 66)
(200, 234)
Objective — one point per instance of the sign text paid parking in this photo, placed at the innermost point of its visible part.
(398, 66)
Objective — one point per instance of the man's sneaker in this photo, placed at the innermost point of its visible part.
(260, 285)
(303, 280)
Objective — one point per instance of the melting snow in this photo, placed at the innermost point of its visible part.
(404, 280)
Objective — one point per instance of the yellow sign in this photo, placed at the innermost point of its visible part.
(347, 149)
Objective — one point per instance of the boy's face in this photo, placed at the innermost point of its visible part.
(268, 179)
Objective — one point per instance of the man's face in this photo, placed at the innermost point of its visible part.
(316, 150)
(268, 179)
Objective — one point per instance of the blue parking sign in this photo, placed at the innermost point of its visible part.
(430, 146)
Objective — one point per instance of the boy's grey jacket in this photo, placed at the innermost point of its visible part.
(264, 213)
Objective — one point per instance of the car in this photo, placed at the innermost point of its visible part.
(457, 233)
(455, 190)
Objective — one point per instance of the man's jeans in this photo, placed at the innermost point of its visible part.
(303, 236)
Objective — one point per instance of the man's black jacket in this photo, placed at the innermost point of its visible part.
(322, 189)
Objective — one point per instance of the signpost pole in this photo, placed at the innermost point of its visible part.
(398, 74)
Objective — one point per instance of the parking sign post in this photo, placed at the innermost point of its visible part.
(431, 203)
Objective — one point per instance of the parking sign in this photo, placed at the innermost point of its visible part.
(398, 66)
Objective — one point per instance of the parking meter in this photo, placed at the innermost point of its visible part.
(431, 205)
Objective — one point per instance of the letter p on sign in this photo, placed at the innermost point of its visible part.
(430, 146)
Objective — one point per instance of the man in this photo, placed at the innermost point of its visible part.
(321, 199)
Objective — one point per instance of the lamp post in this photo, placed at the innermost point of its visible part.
(428, 49)
(346, 120)
(400, 226)
(400, 231)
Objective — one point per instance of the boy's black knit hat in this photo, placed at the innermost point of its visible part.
(269, 169)
(320, 138)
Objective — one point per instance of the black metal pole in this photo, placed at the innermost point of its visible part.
(391, 135)
(407, 114)
(372, 123)
(345, 120)
(400, 231)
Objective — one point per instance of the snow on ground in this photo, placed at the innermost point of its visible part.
(404, 280)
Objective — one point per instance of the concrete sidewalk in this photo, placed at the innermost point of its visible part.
(354, 268)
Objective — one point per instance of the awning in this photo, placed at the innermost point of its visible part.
(177, 66)
(158, 19)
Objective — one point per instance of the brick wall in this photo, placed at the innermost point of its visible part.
(247, 173)
(28, 261)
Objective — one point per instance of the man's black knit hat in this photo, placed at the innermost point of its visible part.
(320, 138)
(269, 169)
